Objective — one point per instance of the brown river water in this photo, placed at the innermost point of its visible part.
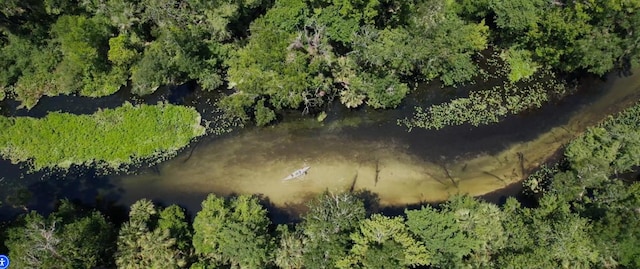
(367, 150)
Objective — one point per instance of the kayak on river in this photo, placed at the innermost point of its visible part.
(298, 173)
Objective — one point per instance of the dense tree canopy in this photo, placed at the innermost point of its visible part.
(232, 233)
(152, 239)
(68, 238)
(289, 54)
(286, 54)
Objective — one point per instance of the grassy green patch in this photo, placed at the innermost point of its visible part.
(111, 136)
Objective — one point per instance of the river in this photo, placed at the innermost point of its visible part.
(367, 150)
(350, 150)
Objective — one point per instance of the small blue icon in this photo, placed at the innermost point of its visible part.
(4, 262)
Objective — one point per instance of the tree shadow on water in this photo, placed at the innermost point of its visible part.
(82, 185)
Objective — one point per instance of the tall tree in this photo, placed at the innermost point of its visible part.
(233, 232)
(327, 226)
(67, 238)
(384, 242)
(144, 243)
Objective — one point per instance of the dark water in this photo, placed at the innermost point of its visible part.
(362, 149)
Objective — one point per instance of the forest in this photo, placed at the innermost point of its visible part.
(585, 213)
(269, 57)
(286, 54)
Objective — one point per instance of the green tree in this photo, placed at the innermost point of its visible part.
(547, 237)
(383, 242)
(442, 236)
(174, 219)
(144, 243)
(327, 226)
(290, 251)
(67, 238)
(84, 67)
(233, 232)
(264, 115)
(518, 15)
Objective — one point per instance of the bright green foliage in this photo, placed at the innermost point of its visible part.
(173, 218)
(381, 92)
(327, 226)
(264, 115)
(611, 148)
(521, 65)
(486, 106)
(517, 15)
(547, 237)
(589, 185)
(111, 136)
(437, 44)
(232, 232)
(383, 242)
(120, 50)
(146, 242)
(66, 239)
(83, 67)
(480, 223)
(442, 235)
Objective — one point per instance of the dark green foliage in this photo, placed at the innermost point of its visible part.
(173, 218)
(517, 15)
(327, 226)
(111, 136)
(547, 237)
(437, 44)
(539, 181)
(590, 185)
(65, 239)
(288, 54)
(151, 239)
(264, 115)
(442, 234)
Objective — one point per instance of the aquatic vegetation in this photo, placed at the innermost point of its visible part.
(487, 106)
(108, 137)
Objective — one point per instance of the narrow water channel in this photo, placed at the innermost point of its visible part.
(367, 150)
